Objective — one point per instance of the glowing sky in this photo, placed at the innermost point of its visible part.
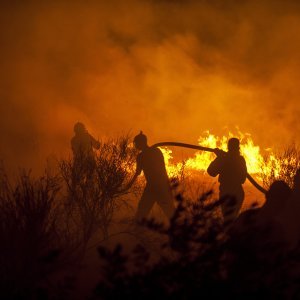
(170, 68)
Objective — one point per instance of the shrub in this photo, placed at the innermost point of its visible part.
(283, 166)
(201, 257)
(29, 233)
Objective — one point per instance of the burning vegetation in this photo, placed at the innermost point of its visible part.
(50, 225)
(170, 68)
(266, 165)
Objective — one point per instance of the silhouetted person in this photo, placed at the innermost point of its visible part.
(265, 234)
(272, 215)
(232, 171)
(151, 162)
(276, 214)
(277, 201)
(83, 154)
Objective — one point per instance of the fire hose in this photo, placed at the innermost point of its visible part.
(207, 149)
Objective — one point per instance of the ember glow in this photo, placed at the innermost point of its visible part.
(259, 161)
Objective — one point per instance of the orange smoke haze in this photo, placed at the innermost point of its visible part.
(171, 68)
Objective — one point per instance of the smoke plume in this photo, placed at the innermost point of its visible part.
(170, 68)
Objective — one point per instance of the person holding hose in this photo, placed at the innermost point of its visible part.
(232, 170)
(150, 160)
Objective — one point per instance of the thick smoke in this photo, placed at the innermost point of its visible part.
(170, 68)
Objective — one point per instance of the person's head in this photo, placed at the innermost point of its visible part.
(79, 128)
(140, 141)
(233, 145)
(278, 193)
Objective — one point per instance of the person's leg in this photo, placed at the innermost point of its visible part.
(227, 207)
(90, 168)
(232, 202)
(239, 195)
(76, 173)
(145, 204)
(165, 201)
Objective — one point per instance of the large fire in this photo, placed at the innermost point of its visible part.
(257, 164)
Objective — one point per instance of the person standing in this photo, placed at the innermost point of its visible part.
(232, 171)
(83, 145)
(150, 160)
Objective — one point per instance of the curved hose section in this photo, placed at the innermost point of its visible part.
(255, 184)
(184, 145)
(197, 147)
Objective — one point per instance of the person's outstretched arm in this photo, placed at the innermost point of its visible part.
(136, 174)
(95, 143)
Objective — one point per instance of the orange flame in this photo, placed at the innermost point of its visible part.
(256, 164)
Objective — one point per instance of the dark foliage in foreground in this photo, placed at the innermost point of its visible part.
(46, 223)
(202, 258)
(30, 234)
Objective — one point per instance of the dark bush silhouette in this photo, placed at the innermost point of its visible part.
(202, 257)
(192, 234)
(47, 223)
(31, 243)
(92, 203)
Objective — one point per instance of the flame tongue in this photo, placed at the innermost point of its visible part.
(256, 164)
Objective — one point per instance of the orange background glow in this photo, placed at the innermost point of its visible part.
(171, 68)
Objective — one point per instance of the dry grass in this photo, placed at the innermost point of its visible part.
(284, 167)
